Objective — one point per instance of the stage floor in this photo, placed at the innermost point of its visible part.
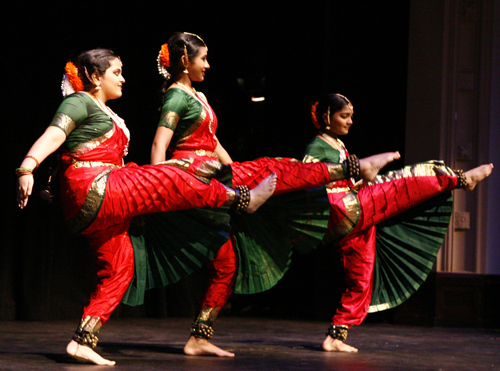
(259, 344)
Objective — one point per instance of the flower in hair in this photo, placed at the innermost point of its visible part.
(163, 61)
(165, 55)
(72, 74)
(313, 115)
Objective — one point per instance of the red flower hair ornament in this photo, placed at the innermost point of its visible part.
(314, 119)
(71, 83)
(164, 61)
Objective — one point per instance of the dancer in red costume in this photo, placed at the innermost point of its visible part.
(100, 194)
(356, 210)
(186, 138)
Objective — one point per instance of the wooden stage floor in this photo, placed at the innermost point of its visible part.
(260, 345)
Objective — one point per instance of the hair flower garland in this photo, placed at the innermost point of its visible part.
(313, 115)
(163, 61)
(72, 73)
(71, 83)
(165, 55)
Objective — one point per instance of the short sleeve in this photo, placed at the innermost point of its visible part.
(174, 107)
(317, 150)
(70, 114)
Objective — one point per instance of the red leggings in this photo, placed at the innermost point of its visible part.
(132, 191)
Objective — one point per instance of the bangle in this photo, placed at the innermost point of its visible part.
(21, 171)
(37, 163)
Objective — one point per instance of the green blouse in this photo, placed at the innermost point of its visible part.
(180, 111)
(321, 151)
(81, 119)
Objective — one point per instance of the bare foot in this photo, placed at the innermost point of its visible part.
(86, 354)
(261, 193)
(477, 174)
(370, 166)
(335, 345)
(202, 347)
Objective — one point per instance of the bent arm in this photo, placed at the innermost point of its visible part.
(161, 142)
(47, 144)
(222, 154)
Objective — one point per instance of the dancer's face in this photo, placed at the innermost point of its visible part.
(112, 81)
(340, 121)
(199, 65)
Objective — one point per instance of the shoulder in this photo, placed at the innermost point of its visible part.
(79, 97)
(202, 96)
(316, 143)
(321, 150)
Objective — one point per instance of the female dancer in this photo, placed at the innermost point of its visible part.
(100, 194)
(357, 208)
(186, 133)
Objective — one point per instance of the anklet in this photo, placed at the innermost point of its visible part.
(241, 199)
(202, 331)
(338, 332)
(461, 178)
(353, 169)
(86, 333)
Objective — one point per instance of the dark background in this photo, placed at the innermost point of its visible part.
(290, 53)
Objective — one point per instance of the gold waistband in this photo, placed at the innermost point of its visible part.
(338, 190)
(202, 152)
(78, 164)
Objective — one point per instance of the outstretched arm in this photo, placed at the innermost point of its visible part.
(48, 143)
(222, 154)
(161, 142)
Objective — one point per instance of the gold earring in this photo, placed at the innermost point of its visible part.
(187, 59)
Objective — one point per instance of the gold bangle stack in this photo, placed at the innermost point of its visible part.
(22, 171)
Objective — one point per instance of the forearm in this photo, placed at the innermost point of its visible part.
(161, 142)
(158, 153)
(47, 144)
(222, 154)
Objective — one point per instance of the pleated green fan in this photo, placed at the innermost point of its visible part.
(406, 249)
(170, 246)
(266, 239)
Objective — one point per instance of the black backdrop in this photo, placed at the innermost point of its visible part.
(291, 53)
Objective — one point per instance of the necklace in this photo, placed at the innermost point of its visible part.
(114, 117)
(186, 87)
(329, 138)
(337, 144)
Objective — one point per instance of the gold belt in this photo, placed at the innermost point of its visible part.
(78, 164)
(202, 152)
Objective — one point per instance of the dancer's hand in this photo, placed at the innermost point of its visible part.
(24, 189)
